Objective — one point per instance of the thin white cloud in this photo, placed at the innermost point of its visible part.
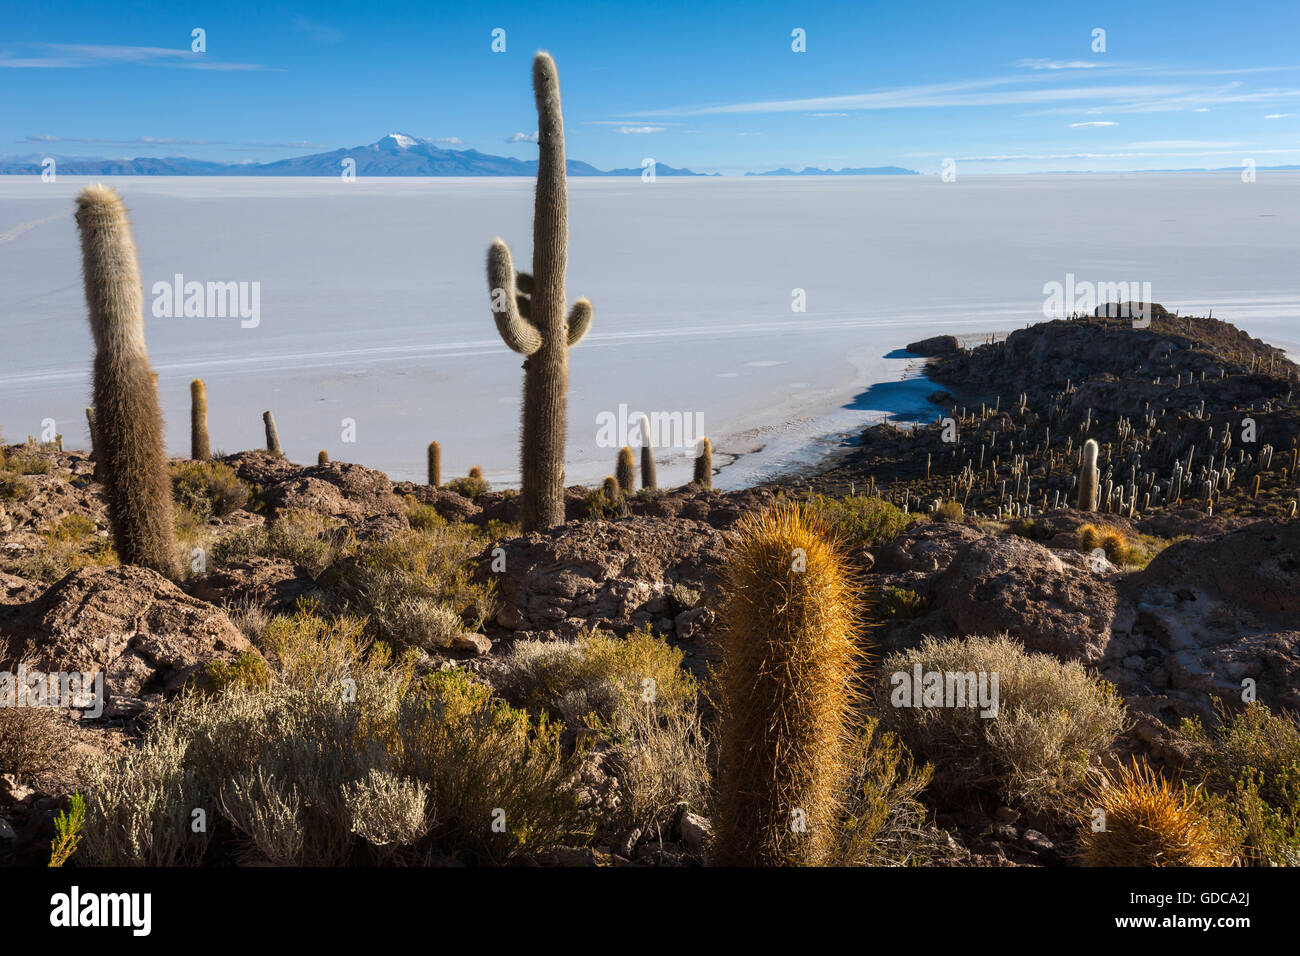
(75, 55)
(828, 114)
(449, 140)
(640, 130)
(46, 139)
(317, 32)
(1094, 123)
(1039, 63)
(1277, 116)
(522, 137)
(1185, 144)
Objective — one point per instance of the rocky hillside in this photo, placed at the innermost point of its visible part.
(1178, 601)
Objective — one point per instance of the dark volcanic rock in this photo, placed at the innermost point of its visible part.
(935, 345)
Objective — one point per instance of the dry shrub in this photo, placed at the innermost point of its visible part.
(405, 584)
(1053, 721)
(641, 706)
(883, 822)
(341, 753)
(309, 540)
(1251, 763)
(210, 489)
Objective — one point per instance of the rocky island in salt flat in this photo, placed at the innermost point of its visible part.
(1135, 625)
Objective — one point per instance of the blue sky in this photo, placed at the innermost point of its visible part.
(1000, 87)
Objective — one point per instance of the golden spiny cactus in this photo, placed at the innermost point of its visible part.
(200, 450)
(128, 425)
(435, 464)
(1135, 817)
(625, 471)
(791, 647)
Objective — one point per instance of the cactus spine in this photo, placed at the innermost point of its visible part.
(199, 448)
(272, 436)
(1088, 477)
(704, 465)
(648, 477)
(128, 425)
(790, 652)
(529, 314)
(625, 471)
(435, 464)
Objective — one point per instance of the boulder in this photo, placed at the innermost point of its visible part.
(935, 345)
(611, 574)
(1209, 613)
(140, 630)
(1011, 584)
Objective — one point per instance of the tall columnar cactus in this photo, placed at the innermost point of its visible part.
(128, 425)
(529, 314)
(272, 435)
(199, 448)
(791, 648)
(435, 464)
(1088, 477)
(625, 471)
(649, 479)
(704, 465)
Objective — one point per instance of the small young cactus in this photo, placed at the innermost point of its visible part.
(199, 448)
(1088, 477)
(272, 436)
(625, 471)
(435, 464)
(128, 425)
(322, 457)
(610, 489)
(476, 473)
(704, 465)
(529, 315)
(648, 477)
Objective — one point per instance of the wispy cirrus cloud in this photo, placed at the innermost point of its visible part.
(1041, 63)
(640, 130)
(1093, 123)
(81, 55)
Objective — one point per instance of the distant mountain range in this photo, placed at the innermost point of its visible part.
(868, 171)
(397, 154)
